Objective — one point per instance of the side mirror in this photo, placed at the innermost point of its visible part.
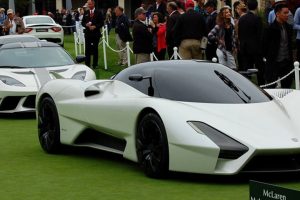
(136, 77)
(80, 58)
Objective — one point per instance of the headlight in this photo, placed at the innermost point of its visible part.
(79, 75)
(229, 148)
(11, 81)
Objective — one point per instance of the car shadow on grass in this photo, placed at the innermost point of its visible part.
(242, 178)
(25, 115)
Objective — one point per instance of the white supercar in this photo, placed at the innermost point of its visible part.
(25, 67)
(185, 116)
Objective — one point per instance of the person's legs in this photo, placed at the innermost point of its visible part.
(184, 50)
(95, 51)
(88, 51)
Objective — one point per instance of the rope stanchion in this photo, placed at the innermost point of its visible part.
(153, 57)
(128, 54)
(296, 68)
(104, 52)
(117, 51)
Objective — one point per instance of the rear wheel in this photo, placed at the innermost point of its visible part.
(152, 146)
(48, 126)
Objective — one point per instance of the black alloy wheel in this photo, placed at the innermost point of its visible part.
(152, 146)
(48, 126)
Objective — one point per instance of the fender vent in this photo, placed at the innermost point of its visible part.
(280, 93)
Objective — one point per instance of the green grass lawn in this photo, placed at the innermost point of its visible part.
(26, 172)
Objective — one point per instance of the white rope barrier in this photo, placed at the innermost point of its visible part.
(295, 70)
(117, 51)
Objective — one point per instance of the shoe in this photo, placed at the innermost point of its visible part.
(95, 67)
(119, 63)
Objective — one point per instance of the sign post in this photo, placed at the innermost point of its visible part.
(264, 191)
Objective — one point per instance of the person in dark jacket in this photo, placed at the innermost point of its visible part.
(160, 6)
(250, 39)
(188, 32)
(171, 21)
(211, 9)
(277, 48)
(92, 21)
(122, 34)
(142, 37)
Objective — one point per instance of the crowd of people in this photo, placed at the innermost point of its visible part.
(237, 37)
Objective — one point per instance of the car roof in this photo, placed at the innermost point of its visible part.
(34, 16)
(17, 38)
(28, 45)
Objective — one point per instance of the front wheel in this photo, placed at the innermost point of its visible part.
(152, 146)
(48, 126)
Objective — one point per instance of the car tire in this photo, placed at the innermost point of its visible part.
(48, 126)
(152, 146)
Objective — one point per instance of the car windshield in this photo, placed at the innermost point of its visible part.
(39, 20)
(34, 57)
(208, 85)
(18, 39)
(191, 81)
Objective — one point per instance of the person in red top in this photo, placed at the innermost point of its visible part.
(159, 36)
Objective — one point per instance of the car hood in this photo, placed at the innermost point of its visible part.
(266, 126)
(36, 77)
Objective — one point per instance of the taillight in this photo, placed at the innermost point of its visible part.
(56, 29)
(27, 30)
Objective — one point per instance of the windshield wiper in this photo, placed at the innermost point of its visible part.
(235, 88)
(11, 66)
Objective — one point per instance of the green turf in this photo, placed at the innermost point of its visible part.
(26, 172)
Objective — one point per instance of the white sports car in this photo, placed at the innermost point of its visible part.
(25, 67)
(44, 27)
(186, 116)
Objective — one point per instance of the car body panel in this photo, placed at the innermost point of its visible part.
(33, 78)
(267, 128)
(43, 30)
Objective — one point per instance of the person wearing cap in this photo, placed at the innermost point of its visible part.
(250, 29)
(272, 14)
(92, 21)
(188, 33)
(142, 37)
(297, 28)
(2, 19)
(13, 24)
(277, 48)
(211, 9)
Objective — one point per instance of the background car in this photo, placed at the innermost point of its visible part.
(44, 27)
(17, 38)
(25, 67)
(179, 115)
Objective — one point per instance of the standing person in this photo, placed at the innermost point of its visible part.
(171, 21)
(188, 32)
(13, 25)
(211, 9)
(160, 6)
(122, 34)
(92, 21)
(250, 39)
(272, 14)
(108, 19)
(297, 28)
(223, 35)
(277, 48)
(159, 35)
(142, 37)
(200, 8)
(2, 19)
